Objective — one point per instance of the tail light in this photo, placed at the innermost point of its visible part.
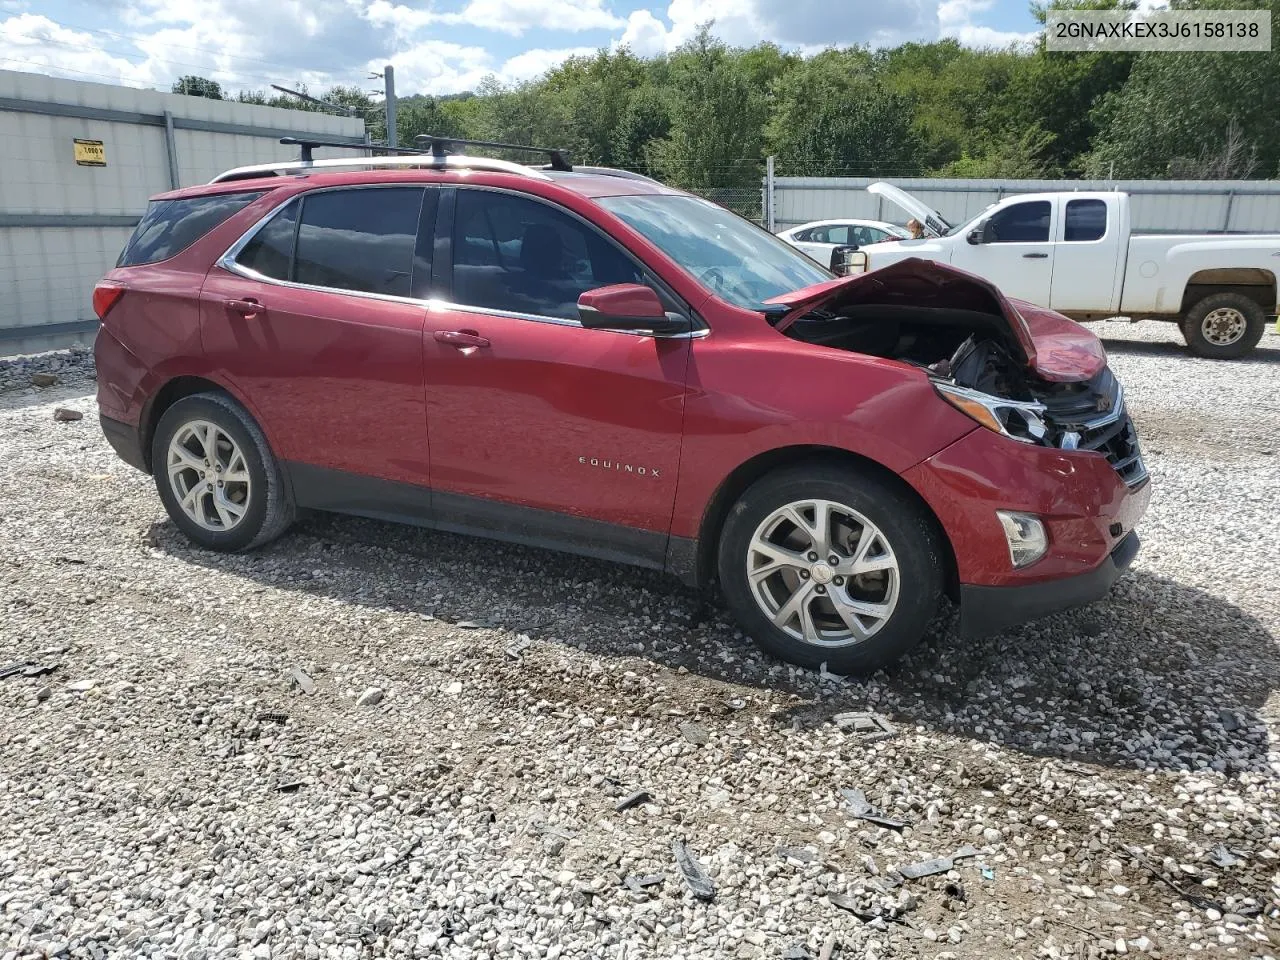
(105, 296)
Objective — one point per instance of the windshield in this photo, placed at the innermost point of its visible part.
(730, 256)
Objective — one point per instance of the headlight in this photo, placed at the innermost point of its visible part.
(1017, 419)
(1025, 533)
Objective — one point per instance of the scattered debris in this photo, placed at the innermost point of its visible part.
(802, 854)
(289, 786)
(695, 733)
(519, 645)
(987, 873)
(467, 625)
(965, 852)
(862, 810)
(72, 560)
(797, 951)
(633, 800)
(956, 892)
(1220, 856)
(870, 725)
(273, 717)
(27, 669)
(854, 906)
(302, 681)
(828, 948)
(370, 698)
(695, 877)
(737, 703)
(926, 868)
(639, 884)
(65, 415)
(81, 686)
(1195, 899)
(44, 379)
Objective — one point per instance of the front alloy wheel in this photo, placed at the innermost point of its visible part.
(832, 562)
(823, 573)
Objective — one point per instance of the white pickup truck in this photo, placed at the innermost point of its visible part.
(1073, 252)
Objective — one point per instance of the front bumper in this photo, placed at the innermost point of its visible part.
(987, 610)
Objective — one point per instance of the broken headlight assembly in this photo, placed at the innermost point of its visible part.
(1021, 420)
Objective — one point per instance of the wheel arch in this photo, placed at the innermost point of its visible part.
(697, 564)
(170, 393)
(1253, 282)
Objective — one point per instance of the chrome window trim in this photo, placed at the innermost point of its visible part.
(436, 304)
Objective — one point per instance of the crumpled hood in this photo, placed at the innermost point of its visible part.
(1056, 348)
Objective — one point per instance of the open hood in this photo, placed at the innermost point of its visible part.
(1056, 348)
(932, 220)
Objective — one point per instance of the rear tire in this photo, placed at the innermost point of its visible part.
(855, 591)
(1224, 326)
(217, 477)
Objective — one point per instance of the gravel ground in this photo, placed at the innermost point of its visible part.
(443, 781)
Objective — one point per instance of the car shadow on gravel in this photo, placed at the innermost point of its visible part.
(1159, 675)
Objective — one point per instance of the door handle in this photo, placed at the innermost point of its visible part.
(1035, 256)
(246, 308)
(461, 338)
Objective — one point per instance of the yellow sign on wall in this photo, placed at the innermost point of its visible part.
(91, 153)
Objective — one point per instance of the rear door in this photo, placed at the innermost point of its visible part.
(541, 430)
(317, 319)
(1086, 256)
(1018, 257)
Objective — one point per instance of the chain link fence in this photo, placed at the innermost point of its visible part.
(745, 201)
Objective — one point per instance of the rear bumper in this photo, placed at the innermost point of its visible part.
(125, 441)
(987, 610)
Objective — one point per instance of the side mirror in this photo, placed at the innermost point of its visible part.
(981, 233)
(846, 261)
(629, 306)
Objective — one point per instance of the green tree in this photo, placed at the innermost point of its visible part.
(194, 86)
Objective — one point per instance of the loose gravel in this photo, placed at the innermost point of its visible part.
(369, 740)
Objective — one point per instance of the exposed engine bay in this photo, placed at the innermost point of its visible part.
(953, 327)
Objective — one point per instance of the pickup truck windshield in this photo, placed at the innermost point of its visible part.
(732, 257)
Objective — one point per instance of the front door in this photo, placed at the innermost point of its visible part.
(315, 323)
(1018, 254)
(541, 430)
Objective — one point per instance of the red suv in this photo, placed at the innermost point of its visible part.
(591, 361)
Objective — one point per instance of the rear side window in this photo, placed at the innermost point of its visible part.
(170, 226)
(360, 240)
(1085, 220)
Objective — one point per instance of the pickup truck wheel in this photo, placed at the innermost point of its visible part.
(216, 475)
(828, 564)
(1223, 326)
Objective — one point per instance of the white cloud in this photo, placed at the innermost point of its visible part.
(36, 44)
(534, 63)
(437, 67)
(645, 36)
(955, 18)
(514, 17)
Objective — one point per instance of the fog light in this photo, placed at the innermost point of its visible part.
(1025, 533)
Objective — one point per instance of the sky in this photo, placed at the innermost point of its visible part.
(442, 46)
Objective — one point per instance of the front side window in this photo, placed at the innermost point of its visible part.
(739, 262)
(361, 240)
(838, 235)
(1021, 223)
(170, 226)
(1085, 220)
(521, 256)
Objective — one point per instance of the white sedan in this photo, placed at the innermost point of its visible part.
(819, 238)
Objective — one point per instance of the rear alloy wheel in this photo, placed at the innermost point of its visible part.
(828, 564)
(216, 475)
(1224, 326)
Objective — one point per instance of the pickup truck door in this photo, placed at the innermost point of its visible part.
(1018, 252)
(1087, 256)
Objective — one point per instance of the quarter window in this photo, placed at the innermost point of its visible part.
(1085, 220)
(522, 256)
(170, 226)
(1021, 223)
(360, 240)
(270, 252)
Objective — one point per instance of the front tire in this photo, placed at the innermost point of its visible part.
(217, 477)
(831, 564)
(1224, 326)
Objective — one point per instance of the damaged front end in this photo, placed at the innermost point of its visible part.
(1021, 371)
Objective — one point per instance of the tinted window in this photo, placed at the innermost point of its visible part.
(359, 240)
(1085, 220)
(1021, 223)
(170, 226)
(522, 256)
(270, 252)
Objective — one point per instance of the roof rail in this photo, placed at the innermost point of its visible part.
(423, 161)
(440, 146)
(615, 172)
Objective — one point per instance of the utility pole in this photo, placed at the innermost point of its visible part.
(389, 79)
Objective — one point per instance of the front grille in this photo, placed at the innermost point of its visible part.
(1092, 416)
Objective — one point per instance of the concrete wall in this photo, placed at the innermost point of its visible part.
(1159, 206)
(63, 225)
